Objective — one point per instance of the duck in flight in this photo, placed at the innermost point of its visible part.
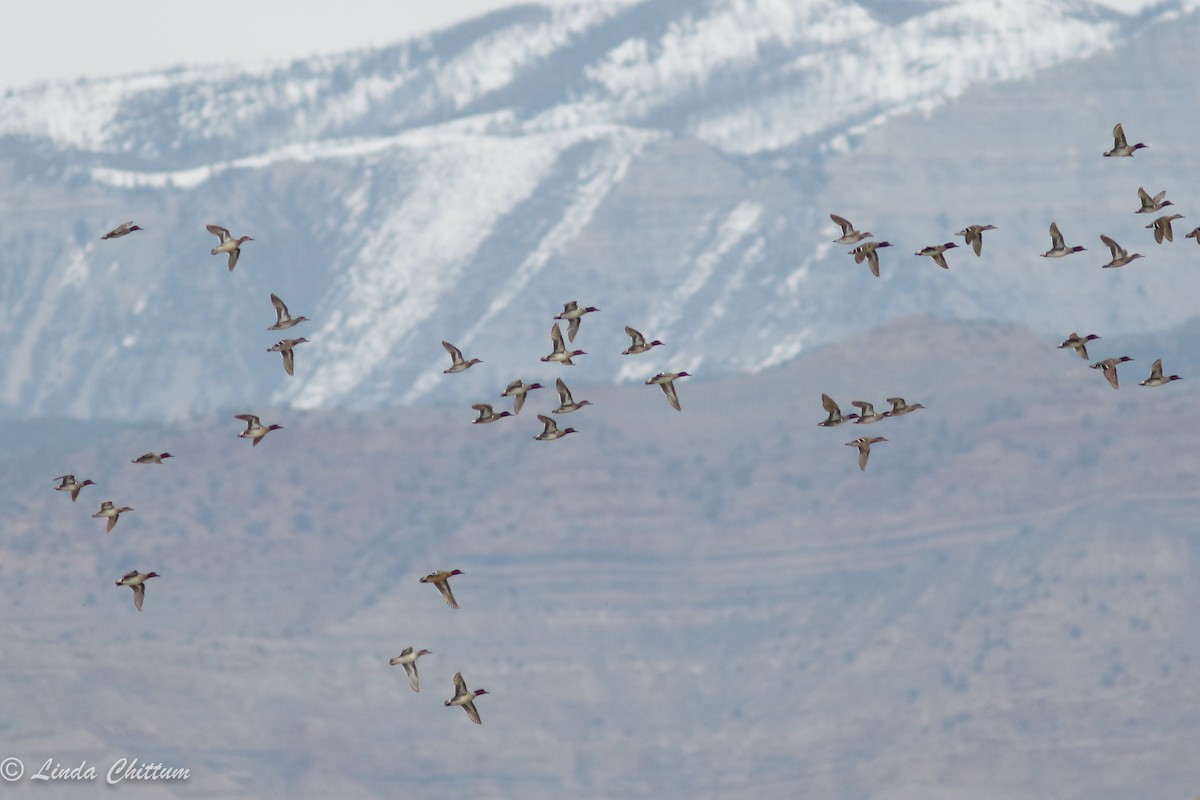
(457, 362)
(464, 698)
(1121, 147)
(1058, 248)
(137, 581)
(228, 244)
(283, 320)
(124, 229)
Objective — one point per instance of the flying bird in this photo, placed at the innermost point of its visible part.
(560, 353)
(868, 414)
(550, 430)
(864, 449)
(1120, 146)
(137, 581)
(124, 229)
(1057, 248)
(255, 431)
(1152, 204)
(486, 414)
(973, 236)
(408, 659)
(937, 252)
(638, 343)
(1078, 344)
(457, 362)
(666, 381)
(1162, 227)
(835, 413)
(1109, 365)
(900, 408)
(566, 402)
(228, 244)
(151, 458)
(573, 313)
(442, 581)
(1156, 375)
(283, 320)
(517, 391)
(465, 698)
(284, 348)
(1120, 257)
(867, 251)
(849, 234)
(69, 484)
(111, 513)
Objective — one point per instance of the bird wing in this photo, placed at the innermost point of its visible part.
(250, 420)
(289, 360)
(830, 406)
(410, 669)
(638, 339)
(842, 223)
(219, 232)
(1116, 249)
(564, 394)
(668, 388)
(460, 686)
(139, 594)
(281, 310)
(1119, 137)
(556, 337)
(1156, 369)
(469, 707)
(1056, 239)
(456, 356)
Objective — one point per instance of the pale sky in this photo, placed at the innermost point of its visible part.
(67, 39)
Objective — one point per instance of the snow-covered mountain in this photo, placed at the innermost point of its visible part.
(671, 162)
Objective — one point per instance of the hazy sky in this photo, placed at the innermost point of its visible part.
(66, 39)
